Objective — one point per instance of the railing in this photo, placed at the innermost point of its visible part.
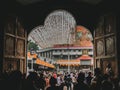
(71, 52)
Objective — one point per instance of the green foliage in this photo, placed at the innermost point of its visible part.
(32, 46)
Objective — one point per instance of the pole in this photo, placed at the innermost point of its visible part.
(68, 54)
(32, 64)
(68, 60)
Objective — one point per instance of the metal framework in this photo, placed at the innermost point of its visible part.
(58, 27)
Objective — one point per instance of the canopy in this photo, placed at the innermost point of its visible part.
(41, 62)
(38, 61)
(68, 62)
(85, 57)
(29, 55)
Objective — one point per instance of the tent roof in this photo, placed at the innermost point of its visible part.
(85, 57)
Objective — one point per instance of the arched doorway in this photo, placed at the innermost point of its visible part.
(59, 34)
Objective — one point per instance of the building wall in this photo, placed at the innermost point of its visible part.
(14, 52)
(105, 42)
(62, 53)
(1, 45)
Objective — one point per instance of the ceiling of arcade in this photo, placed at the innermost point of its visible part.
(26, 2)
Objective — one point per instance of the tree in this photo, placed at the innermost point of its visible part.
(32, 46)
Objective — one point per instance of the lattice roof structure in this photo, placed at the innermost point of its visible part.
(59, 28)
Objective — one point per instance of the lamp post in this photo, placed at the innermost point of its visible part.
(71, 33)
(68, 60)
(68, 54)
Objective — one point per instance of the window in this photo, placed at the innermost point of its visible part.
(85, 52)
(85, 62)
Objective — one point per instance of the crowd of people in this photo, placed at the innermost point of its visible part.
(48, 80)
